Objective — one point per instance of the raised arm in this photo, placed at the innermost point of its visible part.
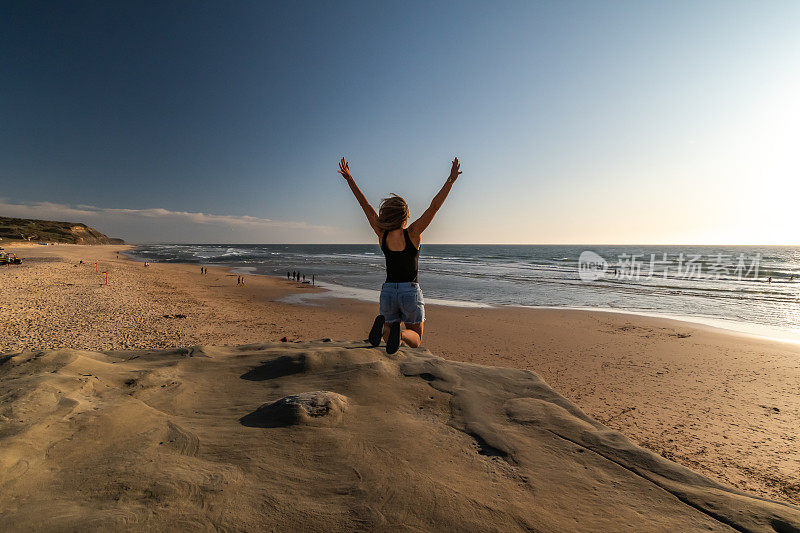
(372, 216)
(425, 220)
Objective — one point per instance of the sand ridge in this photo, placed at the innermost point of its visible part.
(186, 439)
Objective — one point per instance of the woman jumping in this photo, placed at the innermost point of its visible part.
(401, 297)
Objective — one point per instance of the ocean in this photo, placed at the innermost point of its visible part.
(746, 288)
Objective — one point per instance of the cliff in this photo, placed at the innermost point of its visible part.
(25, 229)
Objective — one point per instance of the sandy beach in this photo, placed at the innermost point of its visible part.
(574, 223)
(724, 405)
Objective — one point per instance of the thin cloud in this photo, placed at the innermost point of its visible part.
(63, 212)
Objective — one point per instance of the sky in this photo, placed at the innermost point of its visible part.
(575, 122)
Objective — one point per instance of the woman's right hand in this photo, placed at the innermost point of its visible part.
(344, 170)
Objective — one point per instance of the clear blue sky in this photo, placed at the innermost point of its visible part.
(576, 122)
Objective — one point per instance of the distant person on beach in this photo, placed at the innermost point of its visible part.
(312, 280)
(288, 275)
(401, 297)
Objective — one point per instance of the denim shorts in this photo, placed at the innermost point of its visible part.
(402, 302)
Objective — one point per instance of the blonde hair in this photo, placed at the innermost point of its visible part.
(393, 213)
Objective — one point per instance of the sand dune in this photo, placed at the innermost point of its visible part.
(328, 436)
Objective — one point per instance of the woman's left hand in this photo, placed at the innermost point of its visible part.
(455, 170)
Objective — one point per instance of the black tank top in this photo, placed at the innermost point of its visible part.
(401, 267)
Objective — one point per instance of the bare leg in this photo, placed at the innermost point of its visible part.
(412, 335)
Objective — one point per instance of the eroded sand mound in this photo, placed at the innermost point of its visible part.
(328, 436)
(322, 408)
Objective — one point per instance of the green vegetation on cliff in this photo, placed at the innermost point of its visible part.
(24, 229)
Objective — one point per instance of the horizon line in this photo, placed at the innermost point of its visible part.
(455, 244)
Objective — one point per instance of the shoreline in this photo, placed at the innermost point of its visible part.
(532, 279)
(750, 329)
(759, 331)
(722, 403)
